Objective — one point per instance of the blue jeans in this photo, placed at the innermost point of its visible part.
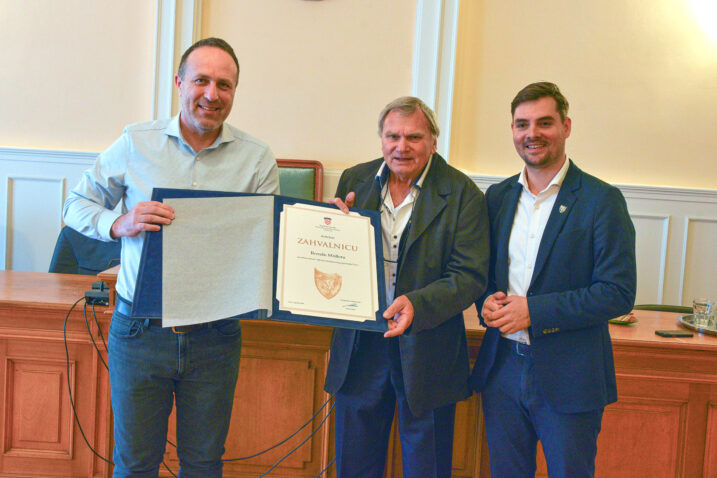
(517, 416)
(151, 366)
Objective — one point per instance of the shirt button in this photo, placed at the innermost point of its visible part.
(194, 184)
(394, 246)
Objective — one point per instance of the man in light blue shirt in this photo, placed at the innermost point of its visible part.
(195, 365)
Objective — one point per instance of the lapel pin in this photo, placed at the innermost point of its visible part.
(563, 208)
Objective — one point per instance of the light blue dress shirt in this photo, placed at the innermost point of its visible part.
(154, 154)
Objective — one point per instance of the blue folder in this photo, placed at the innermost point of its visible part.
(147, 301)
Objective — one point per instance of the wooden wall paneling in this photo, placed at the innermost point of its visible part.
(663, 424)
(476, 430)
(39, 423)
(394, 465)
(102, 407)
(649, 431)
(39, 434)
(653, 382)
(710, 459)
(37, 412)
(467, 438)
(280, 387)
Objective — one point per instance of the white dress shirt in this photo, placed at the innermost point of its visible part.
(394, 221)
(531, 217)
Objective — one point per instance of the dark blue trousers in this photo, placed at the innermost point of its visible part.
(364, 412)
(517, 416)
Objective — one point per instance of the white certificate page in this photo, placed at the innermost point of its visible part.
(326, 264)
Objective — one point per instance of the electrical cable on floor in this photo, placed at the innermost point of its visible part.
(89, 332)
(300, 444)
(290, 436)
(99, 329)
(326, 468)
(69, 388)
(67, 365)
(99, 353)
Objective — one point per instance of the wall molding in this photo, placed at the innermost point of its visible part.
(33, 155)
(434, 59)
(177, 28)
(633, 191)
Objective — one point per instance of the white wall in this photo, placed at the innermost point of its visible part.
(76, 71)
(640, 76)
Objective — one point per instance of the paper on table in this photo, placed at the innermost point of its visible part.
(326, 264)
(217, 258)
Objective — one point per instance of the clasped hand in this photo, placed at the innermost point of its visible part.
(508, 313)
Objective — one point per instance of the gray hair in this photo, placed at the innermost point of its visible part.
(407, 105)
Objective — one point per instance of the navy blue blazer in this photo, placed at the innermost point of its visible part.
(584, 275)
(443, 269)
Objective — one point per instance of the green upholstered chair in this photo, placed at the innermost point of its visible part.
(665, 308)
(301, 178)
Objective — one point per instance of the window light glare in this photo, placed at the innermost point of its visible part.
(706, 13)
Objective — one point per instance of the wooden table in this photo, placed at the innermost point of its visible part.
(39, 434)
(664, 425)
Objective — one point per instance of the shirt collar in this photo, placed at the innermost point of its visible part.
(173, 129)
(556, 181)
(383, 172)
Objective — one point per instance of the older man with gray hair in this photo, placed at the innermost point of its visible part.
(435, 242)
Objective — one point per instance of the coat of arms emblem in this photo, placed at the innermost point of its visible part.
(327, 284)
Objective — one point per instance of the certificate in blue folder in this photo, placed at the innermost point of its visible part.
(253, 256)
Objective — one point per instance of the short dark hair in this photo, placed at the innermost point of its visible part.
(535, 91)
(214, 42)
(408, 105)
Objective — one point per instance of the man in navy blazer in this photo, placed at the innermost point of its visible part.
(435, 239)
(562, 264)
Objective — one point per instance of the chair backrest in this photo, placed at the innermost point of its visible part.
(79, 254)
(301, 178)
(665, 308)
